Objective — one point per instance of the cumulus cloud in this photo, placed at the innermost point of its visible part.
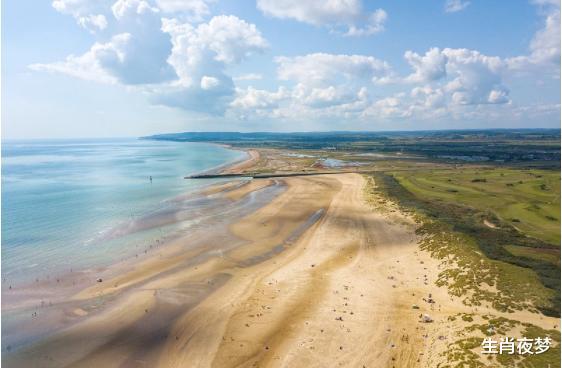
(248, 77)
(86, 66)
(323, 97)
(132, 8)
(177, 63)
(136, 57)
(544, 49)
(211, 96)
(196, 9)
(465, 77)
(300, 102)
(326, 86)
(388, 108)
(92, 22)
(428, 97)
(453, 6)
(252, 99)
(209, 82)
(126, 58)
(477, 77)
(429, 67)
(88, 14)
(231, 38)
(322, 68)
(334, 14)
(374, 24)
(200, 55)
(180, 56)
(332, 85)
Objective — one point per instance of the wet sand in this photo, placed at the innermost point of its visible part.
(315, 278)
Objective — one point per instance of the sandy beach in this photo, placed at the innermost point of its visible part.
(315, 278)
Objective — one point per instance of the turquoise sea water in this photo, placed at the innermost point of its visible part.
(81, 203)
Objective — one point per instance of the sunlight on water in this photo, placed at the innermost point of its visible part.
(80, 203)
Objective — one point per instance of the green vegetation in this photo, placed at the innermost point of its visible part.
(547, 255)
(539, 147)
(529, 199)
(480, 270)
(465, 352)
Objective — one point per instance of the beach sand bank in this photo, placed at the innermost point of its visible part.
(317, 278)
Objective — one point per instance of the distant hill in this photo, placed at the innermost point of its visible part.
(539, 146)
(354, 136)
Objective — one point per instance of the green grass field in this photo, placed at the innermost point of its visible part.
(476, 207)
(529, 200)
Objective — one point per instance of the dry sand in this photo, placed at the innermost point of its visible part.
(321, 280)
(239, 167)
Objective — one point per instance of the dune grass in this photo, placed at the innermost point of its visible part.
(482, 270)
(496, 266)
(465, 352)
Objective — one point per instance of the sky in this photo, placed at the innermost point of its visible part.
(116, 68)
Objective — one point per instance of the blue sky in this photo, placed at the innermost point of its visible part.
(107, 68)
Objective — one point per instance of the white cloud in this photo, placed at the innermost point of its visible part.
(231, 38)
(197, 9)
(80, 7)
(248, 77)
(252, 99)
(87, 14)
(299, 102)
(126, 58)
(209, 82)
(333, 13)
(388, 107)
(544, 49)
(131, 8)
(207, 97)
(93, 21)
(498, 96)
(137, 55)
(322, 69)
(332, 86)
(453, 6)
(428, 97)
(184, 65)
(224, 40)
(323, 97)
(429, 67)
(374, 24)
(199, 55)
(167, 49)
(86, 66)
(465, 77)
(477, 77)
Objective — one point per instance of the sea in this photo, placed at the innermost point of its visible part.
(71, 204)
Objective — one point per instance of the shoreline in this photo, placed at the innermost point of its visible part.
(188, 194)
(304, 276)
(33, 298)
(252, 155)
(52, 306)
